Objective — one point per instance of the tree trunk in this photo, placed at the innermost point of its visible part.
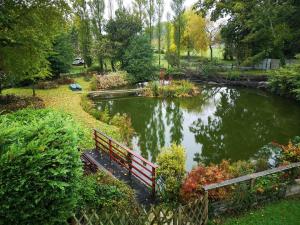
(211, 52)
(189, 55)
(112, 66)
(101, 64)
(33, 89)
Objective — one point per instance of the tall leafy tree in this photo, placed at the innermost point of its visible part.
(160, 11)
(63, 54)
(139, 8)
(150, 9)
(178, 10)
(256, 29)
(97, 8)
(27, 31)
(194, 37)
(139, 60)
(84, 30)
(120, 30)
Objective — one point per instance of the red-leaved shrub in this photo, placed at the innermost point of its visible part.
(203, 175)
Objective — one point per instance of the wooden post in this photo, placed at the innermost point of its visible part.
(129, 162)
(95, 138)
(205, 213)
(110, 149)
(153, 181)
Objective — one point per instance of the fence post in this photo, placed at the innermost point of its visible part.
(95, 138)
(153, 181)
(110, 149)
(129, 162)
(205, 213)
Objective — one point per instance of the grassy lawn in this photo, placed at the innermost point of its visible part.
(62, 98)
(285, 212)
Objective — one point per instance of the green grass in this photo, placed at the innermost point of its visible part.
(77, 69)
(285, 212)
(63, 99)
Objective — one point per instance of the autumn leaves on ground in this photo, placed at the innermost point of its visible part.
(62, 98)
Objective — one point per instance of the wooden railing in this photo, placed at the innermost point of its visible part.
(136, 165)
(250, 177)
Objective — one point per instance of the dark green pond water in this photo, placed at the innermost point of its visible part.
(222, 123)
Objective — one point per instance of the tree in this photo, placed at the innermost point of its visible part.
(160, 10)
(194, 37)
(139, 61)
(151, 17)
(27, 31)
(178, 9)
(97, 16)
(212, 32)
(63, 54)
(84, 30)
(120, 30)
(139, 8)
(257, 29)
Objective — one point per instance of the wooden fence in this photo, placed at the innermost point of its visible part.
(194, 213)
(136, 165)
(252, 190)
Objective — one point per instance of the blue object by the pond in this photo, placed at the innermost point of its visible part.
(75, 87)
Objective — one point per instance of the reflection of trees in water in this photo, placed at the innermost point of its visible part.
(175, 120)
(149, 119)
(239, 120)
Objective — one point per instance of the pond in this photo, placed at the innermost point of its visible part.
(221, 123)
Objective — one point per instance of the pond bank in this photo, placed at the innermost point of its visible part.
(251, 81)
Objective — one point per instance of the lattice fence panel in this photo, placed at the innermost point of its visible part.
(195, 213)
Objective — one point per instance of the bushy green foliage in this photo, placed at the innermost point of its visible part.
(62, 56)
(139, 60)
(40, 167)
(286, 80)
(101, 191)
(171, 170)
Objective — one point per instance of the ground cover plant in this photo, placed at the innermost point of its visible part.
(10, 103)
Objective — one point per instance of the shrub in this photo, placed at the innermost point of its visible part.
(65, 80)
(291, 152)
(175, 73)
(286, 80)
(123, 122)
(101, 191)
(111, 80)
(40, 167)
(171, 170)
(46, 85)
(240, 168)
(208, 68)
(203, 175)
(10, 103)
(175, 89)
